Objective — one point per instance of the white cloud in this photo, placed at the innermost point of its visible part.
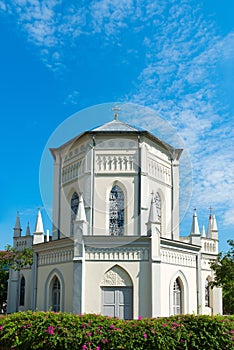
(182, 53)
(72, 98)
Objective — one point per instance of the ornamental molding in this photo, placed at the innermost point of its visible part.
(55, 257)
(178, 258)
(210, 247)
(159, 171)
(119, 162)
(72, 171)
(117, 254)
(116, 277)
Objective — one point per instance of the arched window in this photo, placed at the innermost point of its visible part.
(177, 298)
(74, 209)
(207, 293)
(157, 200)
(22, 291)
(116, 220)
(56, 295)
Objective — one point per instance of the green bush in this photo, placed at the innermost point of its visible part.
(48, 330)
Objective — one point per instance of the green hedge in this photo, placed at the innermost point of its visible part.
(48, 330)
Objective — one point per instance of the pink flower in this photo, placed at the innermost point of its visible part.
(50, 329)
(140, 318)
(24, 327)
(145, 336)
(98, 348)
(1, 328)
(231, 331)
(84, 347)
(164, 324)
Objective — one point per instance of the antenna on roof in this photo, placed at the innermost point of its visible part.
(116, 109)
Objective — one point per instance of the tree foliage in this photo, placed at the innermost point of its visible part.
(12, 258)
(16, 259)
(224, 277)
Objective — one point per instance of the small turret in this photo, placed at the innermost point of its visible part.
(80, 230)
(203, 234)
(28, 233)
(195, 228)
(210, 224)
(81, 216)
(38, 234)
(214, 230)
(153, 217)
(17, 228)
(153, 230)
(195, 236)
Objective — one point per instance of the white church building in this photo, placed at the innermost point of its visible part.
(116, 248)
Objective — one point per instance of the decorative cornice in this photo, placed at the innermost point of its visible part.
(117, 254)
(178, 258)
(55, 257)
(159, 171)
(72, 171)
(119, 162)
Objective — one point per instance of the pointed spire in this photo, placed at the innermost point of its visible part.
(203, 231)
(28, 230)
(17, 228)
(81, 216)
(153, 216)
(195, 227)
(210, 224)
(17, 221)
(214, 224)
(39, 224)
(38, 234)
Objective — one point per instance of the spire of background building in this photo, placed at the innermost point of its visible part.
(17, 228)
(195, 227)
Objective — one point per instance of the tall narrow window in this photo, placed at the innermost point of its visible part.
(22, 291)
(177, 298)
(116, 220)
(56, 295)
(207, 293)
(157, 200)
(74, 209)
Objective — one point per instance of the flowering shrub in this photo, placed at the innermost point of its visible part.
(48, 330)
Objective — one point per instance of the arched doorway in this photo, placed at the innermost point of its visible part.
(117, 294)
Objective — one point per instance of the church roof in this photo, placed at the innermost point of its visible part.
(118, 127)
(115, 125)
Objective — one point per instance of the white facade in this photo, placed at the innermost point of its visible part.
(115, 246)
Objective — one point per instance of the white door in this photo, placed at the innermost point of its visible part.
(117, 302)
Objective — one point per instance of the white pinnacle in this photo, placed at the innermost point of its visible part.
(39, 224)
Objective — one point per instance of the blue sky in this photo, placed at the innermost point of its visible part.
(174, 57)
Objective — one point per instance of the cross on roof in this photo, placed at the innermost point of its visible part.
(116, 109)
(210, 212)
